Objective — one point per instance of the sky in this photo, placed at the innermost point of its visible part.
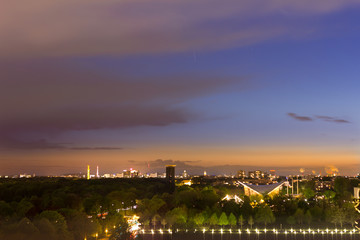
(215, 85)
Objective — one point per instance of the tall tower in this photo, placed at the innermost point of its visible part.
(170, 176)
(88, 172)
(97, 172)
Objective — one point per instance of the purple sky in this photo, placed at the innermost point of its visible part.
(208, 84)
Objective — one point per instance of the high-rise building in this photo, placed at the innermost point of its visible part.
(170, 174)
(132, 173)
(240, 174)
(259, 174)
(185, 174)
(88, 172)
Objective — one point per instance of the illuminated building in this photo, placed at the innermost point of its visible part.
(232, 197)
(185, 174)
(272, 174)
(88, 172)
(241, 174)
(262, 190)
(357, 193)
(132, 173)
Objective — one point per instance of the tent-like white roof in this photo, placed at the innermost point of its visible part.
(263, 189)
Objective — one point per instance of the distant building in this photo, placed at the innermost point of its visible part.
(153, 175)
(322, 185)
(256, 174)
(272, 174)
(259, 174)
(132, 173)
(185, 174)
(119, 175)
(25, 175)
(108, 175)
(97, 172)
(240, 174)
(88, 172)
(170, 174)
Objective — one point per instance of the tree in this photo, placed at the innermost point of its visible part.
(241, 220)
(329, 195)
(27, 227)
(246, 208)
(5, 209)
(351, 215)
(187, 196)
(80, 225)
(309, 193)
(213, 220)
(299, 215)
(251, 221)
(154, 220)
(308, 217)
(155, 204)
(208, 197)
(199, 219)
(341, 185)
(335, 215)
(55, 218)
(264, 215)
(177, 216)
(291, 220)
(223, 220)
(163, 222)
(23, 207)
(232, 220)
(316, 213)
(146, 223)
(46, 228)
(339, 216)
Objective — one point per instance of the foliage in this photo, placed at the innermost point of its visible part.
(264, 215)
(57, 208)
(199, 219)
(251, 221)
(232, 219)
(213, 221)
(241, 221)
(223, 219)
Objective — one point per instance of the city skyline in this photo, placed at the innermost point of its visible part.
(122, 84)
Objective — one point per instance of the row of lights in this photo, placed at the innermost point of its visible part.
(275, 231)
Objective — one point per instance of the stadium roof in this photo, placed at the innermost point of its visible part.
(263, 189)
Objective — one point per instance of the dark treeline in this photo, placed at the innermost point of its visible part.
(57, 208)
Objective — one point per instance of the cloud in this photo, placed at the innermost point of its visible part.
(332, 119)
(42, 99)
(114, 27)
(43, 144)
(324, 118)
(300, 118)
